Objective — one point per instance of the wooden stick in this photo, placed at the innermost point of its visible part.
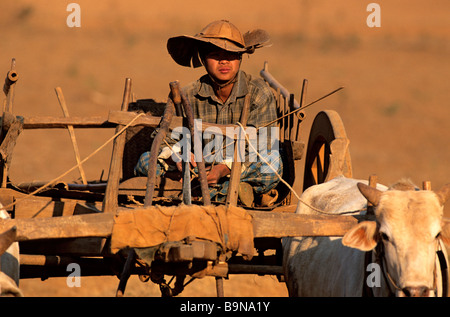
(176, 97)
(62, 103)
(47, 122)
(187, 193)
(79, 226)
(426, 185)
(290, 120)
(188, 111)
(13, 127)
(126, 272)
(8, 87)
(110, 203)
(235, 176)
(114, 118)
(275, 84)
(300, 114)
(169, 111)
(219, 286)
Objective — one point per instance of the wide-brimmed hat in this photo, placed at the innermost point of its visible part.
(184, 49)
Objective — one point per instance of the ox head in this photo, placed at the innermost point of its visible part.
(409, 225)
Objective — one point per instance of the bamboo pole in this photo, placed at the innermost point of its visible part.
(62, 103)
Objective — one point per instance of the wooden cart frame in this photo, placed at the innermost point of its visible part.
(72, 223)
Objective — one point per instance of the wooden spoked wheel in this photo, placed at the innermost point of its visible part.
(327, 154)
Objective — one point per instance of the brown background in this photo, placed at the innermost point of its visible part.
(394, 106)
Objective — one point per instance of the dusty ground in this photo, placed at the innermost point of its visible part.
(395, 103)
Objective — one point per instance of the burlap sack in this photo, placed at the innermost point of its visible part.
(148, 227)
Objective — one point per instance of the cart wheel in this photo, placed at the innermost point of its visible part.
(327, 154)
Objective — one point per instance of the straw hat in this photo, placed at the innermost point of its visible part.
(223, 34)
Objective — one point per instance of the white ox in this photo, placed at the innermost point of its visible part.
(403, 241)
(9, 261)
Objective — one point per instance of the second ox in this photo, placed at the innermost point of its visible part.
(404, 242)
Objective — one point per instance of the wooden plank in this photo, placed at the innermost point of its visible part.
(33, 208)
(124, 117)
(37, 206)
(47, 122)
(80, 226)
(265, 224)
(278, 225)
(114, 118)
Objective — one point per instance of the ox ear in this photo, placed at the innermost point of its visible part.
(363, 236)
(372, 194)
(444, 194)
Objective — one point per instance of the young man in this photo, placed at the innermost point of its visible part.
(218, 97)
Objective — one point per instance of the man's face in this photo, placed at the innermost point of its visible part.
(222, 65)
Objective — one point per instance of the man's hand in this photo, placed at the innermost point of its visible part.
(180, 164)
(176, 175)
(217, 172)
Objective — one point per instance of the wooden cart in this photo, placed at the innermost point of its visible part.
(59, 223)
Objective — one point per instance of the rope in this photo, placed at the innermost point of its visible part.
(268, 164)
(286, 183)
(77, 165)
(194, 174)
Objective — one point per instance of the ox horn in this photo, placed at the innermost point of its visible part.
(444, 193)
(372, 194)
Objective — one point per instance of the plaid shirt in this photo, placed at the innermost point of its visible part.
(209, 108)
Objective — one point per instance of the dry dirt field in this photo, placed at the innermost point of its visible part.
(395, 105)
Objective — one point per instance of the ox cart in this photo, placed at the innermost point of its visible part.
(146, 226)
